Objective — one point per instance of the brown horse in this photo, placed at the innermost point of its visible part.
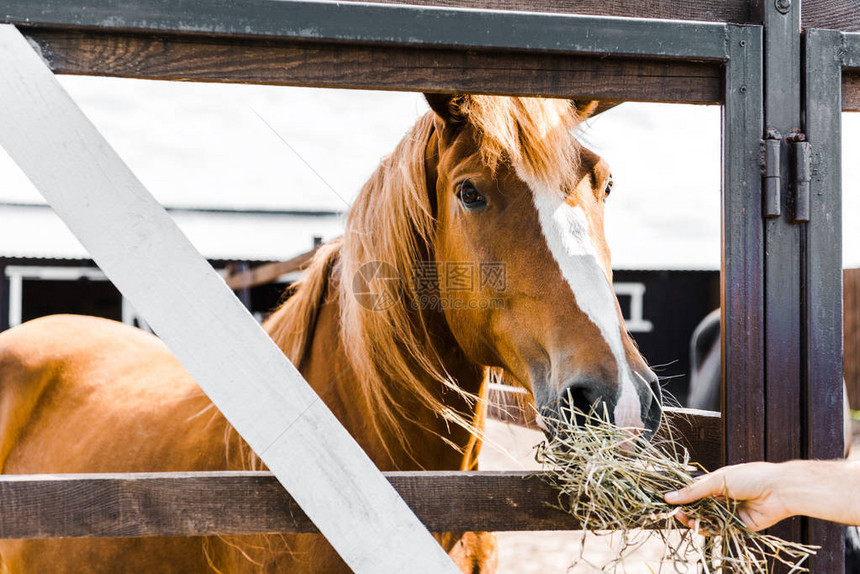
(478, 244)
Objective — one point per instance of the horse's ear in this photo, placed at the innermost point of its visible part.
(585, 108)
(449, 107)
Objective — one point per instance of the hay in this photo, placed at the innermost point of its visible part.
(613, 480)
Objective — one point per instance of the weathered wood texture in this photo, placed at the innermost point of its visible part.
(724, 11)
(742, 269)
(851, 335)
(387, 68)
(832, 14)
(851, 91)
(379, 24)
(698, 431)
(821, 278)
(142, 251)
(268, 272)
(784, 435)
(183, 504)
(376, 67)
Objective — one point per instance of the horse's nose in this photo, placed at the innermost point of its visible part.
(578, 400)
(586, 397)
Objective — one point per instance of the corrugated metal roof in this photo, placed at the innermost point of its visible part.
(36, 231)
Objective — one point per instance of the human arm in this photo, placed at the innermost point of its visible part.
(770, 492)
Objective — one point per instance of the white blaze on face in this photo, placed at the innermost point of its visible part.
(568, 237)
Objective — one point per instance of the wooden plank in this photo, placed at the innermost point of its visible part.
(330, 65)
(375, 24)
(142, 251)
(268, 272)
(700, 432)
(742, 272)
(736, 11)
(821, 275)
(851, 72)
(211, 503)
(851, 335)
(511, 405)
(851, 91)
(783, 300)
(832, 14)
(827, 14)
(726, 11)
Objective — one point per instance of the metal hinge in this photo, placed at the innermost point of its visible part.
(800, 174)
(772, 178)
(801, 150)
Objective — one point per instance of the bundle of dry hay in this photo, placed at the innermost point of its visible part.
(614, 480)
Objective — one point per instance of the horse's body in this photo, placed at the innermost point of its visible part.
(137, 410)
(88, 395)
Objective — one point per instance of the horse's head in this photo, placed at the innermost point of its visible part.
(524, 274)
(486, 226)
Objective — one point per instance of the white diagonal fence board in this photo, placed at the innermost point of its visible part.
(135, 242)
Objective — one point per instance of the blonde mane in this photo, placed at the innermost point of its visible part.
(293, 323)
(391, 222)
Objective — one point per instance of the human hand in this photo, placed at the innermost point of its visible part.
(756, 485)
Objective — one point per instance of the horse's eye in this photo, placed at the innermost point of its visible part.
(469, 196)
(608, 189)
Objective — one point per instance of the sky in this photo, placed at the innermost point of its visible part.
(241, 146)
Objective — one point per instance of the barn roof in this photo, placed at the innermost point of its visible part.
(32, 230)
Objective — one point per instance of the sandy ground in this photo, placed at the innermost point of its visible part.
(558, 552)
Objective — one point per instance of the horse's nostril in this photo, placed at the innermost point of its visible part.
(578, 402)
(656, 391)
(655, 408)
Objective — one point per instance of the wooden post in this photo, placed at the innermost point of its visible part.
(822, 278)
(142, 251)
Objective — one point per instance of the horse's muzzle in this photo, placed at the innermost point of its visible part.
(588, 399)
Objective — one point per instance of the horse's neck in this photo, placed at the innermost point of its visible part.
(327, 369)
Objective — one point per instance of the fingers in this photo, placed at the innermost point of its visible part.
(692, 524)
(708, 485)
(748, 520)
(684, 519)
(758, 519)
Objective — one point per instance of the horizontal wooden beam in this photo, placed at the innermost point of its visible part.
(737, 11)
(225, 58)
(380, 24)
(828, 14)
(700, 432)
(186, 504)
(210, 503)
(269, 272)
(380, 46)
(331, 65)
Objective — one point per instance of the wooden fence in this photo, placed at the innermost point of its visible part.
(235, 502)
(781, 362)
